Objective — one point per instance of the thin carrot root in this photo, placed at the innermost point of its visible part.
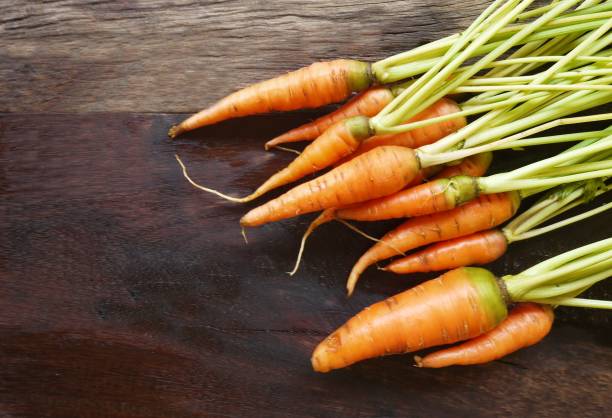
(309, 87)
(527, 324)
(206, 189)
(367, 103)
(294, 151)
(459, 305)
(325, 216)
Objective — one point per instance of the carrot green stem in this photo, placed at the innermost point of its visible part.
(559, 290)
(515, 141)
(556, 262)
(555, 203)
(577, 303)
(520, 285)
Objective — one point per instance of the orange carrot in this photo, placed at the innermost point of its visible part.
(483, 213)
(431, 197)
(367, 103)
(420, 136)
(313, 86)
(526, 325)
(475, 249)
(458, 305)
(382, 171)
(475, 166)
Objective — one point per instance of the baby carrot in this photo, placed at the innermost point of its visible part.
(313, 86)
(483, 213)
(458, 305)
(527, 324)
(379, 172)
(367, 103)
(475, 249)
(437, 195)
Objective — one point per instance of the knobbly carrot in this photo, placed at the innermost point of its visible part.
(382, 171)
(367, 103)
(475, 249)
(527, 324)
(434, 196)
(483, 213)
(313, 86)
(459, 305)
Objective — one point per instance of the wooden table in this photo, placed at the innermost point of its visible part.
(124, 292)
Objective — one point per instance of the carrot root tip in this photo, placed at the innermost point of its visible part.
(418, 361)
(244, 235)
(175, 131)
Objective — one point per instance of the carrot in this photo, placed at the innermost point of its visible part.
(483, 213)
(458, 305)
(475, 249)
(313, 86)
(367, 103)
(382, 171)
(431, 197)
(527, 324)
(475, 166)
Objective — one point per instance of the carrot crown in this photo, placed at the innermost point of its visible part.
(493, 297)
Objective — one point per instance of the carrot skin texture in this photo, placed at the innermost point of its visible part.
(423, 199)
(367, 103)
(458, 305)
(483, 213)
(475, 249)
(337, 141)
(382, 171)
(309, 87)
(434, 196)
(527, 324)
(475, 166)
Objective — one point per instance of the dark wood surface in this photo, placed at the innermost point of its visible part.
(124, 292)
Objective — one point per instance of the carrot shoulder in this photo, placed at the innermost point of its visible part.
(313, 86)
(475, 249)
(367, 103)
(527, 324)
(458, 305)
(483, 213)
(380, 172)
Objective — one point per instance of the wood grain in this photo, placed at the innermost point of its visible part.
(127, 293)
(179, 56)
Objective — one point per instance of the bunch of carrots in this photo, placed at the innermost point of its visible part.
(415, 141)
